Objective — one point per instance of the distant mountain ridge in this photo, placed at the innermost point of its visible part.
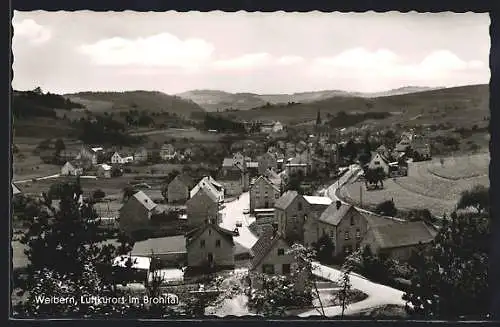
(214, 100)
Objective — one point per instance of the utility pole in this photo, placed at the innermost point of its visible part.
(360, 194)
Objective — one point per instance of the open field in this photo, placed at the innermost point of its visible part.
(422, 189)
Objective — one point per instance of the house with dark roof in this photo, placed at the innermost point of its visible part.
(271, 256)
(292, 210)
(263, 193)
(202, 207)
(399, 241)
(343, 223)
(170, 251)
(178, 189)
(210, 246)
(135, 214)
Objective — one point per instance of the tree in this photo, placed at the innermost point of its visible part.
(478, 197)
(375, 176)
(421, 215)
(450, 277)
(386, 208)
(324, 249)
(59, 146)
(98, 194)
(128, 192)
(68, 255)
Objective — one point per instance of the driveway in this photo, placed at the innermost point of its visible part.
(378, 295)
(233, 212)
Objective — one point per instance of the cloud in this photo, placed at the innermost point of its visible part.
(370, 66)
(162, 49)
(29, 29)
(246, 61)
(290, 60)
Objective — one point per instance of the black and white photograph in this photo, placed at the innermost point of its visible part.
(187, 165)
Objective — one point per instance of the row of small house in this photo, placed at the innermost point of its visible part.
(90, 157)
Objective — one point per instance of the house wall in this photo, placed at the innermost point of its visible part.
(291, 220)
(232, 187)
(258, 197)
(134, 216)
(198, 256)
(359, 223)
(272, 258)
(200, 208)
(401, 253)
(381, 163)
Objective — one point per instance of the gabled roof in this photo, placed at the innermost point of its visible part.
(334, 216)
(15, 189)
(263, 246)
(384, 159)
(145, 200)
(161, 245)
(208, 192)
(285, 200)
(268, 181)
(318, 200)
(73, 163)
(404, 234)
(194, 234)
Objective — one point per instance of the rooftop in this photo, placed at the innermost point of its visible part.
(404, 234)
(145, 200)
(321, 200)
(161, 245)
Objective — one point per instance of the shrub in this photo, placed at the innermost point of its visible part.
(98, 194)
(386, 208)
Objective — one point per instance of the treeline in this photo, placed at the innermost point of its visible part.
(37, 104)
(222, 124)
(105, 130)
(343, 119)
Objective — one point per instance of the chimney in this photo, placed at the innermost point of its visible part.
(338, 204)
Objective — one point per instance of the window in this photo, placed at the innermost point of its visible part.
(324, 231)
(202, 243)
(268, 269)
(281, 252)
(352, 221)
(332, 234)
(347, 249)
(346, 236)
(358, 234)
(299, 206)
(286, 268)
(217, 243)
(209, 232)
(266, 194)
(376, 162)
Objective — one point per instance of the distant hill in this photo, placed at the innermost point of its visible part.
(459, 104)
(134, 100)
(213, 100)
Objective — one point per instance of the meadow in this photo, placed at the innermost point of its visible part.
(422, 188)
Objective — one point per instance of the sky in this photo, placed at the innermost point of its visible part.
(171, 52)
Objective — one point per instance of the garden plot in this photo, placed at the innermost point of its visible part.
(422, 189)
(456, 168)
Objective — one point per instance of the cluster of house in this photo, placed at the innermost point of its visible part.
(395, 162)
(266, 127)
(96, 157)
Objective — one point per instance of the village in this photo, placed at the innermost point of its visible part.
(246, 217)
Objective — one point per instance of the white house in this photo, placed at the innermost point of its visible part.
(71, 169)
(208, 182)
(116, 158)
(379, 161)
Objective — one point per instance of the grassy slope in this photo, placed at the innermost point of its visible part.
(140, 100)
(212, 100)
(467, 104)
